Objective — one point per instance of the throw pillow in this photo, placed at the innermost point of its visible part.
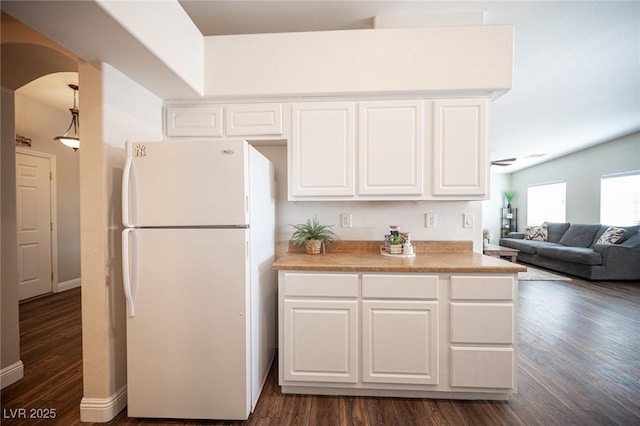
(556, 230)
(538, 233)
(611, 236)
(580, 235)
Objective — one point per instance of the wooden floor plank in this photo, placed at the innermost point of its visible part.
(579, 364)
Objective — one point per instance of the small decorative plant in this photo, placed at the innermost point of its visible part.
(508, 195)
(313, 235)
(395, 239)
(393, 243)
(486, 237)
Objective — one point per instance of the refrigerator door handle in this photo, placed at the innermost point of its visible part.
(126, 181)
(126, 272)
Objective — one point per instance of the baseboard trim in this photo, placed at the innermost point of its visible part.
(68, 285)
(102, 410)
(11, 374)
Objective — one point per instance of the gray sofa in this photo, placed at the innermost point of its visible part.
(574, 249)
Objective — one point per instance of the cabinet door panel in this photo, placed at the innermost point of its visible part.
(253, 119)
(400, 342)
(460, 147)
(193, 120)
(320, 340)
(321, 154)
(390, 142)
(482, 367)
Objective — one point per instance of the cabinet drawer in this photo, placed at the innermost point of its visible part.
(482, 323)
(321, 285)
(253, 120)
(400, 286)
(482, 287)
(482, 367)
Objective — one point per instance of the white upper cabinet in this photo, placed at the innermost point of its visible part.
(460, 164)
(402, 149)
(321, 150)
(232, 120)
(390, 147)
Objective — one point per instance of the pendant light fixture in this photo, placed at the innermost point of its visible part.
(73, 140)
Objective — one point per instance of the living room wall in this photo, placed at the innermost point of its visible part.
(581, 171)
(491, 219)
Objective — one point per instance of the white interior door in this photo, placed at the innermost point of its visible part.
(33, 204)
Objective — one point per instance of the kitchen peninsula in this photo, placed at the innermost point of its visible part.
(442, 324)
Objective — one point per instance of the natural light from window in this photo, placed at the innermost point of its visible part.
(620, 199)
(546, 203)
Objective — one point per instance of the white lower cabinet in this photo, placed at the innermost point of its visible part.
(319, 327)
(400, 328)
(322, 336)
(483, 337)
(400, 342)
(408, 334)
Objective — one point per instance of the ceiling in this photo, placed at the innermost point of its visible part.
(576, 71)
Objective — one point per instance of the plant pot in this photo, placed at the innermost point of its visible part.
(395, 248)
(312, 246)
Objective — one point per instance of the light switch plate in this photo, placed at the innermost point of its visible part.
(345, 220)
(468, 220)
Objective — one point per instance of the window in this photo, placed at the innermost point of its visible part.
(620, 199)
(546, 203)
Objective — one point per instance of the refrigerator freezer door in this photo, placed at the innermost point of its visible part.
(188, 345)
(193, 183)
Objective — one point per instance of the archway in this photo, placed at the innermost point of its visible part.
(26, 55)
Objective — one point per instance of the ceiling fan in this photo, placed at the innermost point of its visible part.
(503, 162)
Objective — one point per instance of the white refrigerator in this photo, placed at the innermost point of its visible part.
(198, 248)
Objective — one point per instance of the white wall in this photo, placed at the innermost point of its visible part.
(41, 123)
(153, 42)
(582, 172)
(10, 332)
(180, 46)
(371, 219)
(476, 59)
(115, 108)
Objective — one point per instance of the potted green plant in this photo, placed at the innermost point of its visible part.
(508, 195)
(313, 235)
(393, 243)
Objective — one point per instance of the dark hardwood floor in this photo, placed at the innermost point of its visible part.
(579, 364)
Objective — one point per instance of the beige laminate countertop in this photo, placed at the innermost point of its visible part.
(365, 256)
